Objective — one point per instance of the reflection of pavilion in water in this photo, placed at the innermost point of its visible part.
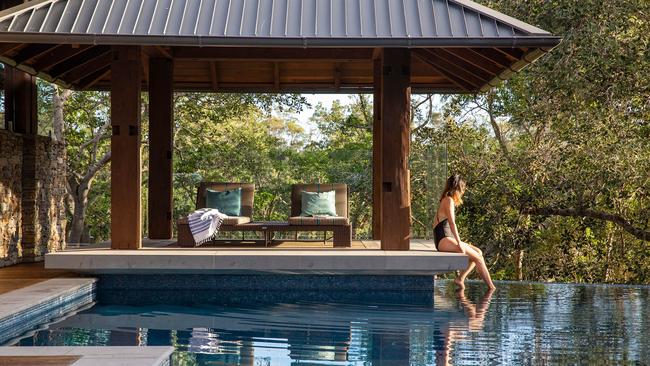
(282, 333)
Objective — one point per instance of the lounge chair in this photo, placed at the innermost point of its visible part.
(339, 224)
(232, 223)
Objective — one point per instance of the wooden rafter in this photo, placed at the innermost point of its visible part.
(31, 52)
(276, 76)
(57, 56)
(337, 75)
(214, 76)
(94, 78)
(513, 54)
(76, 60)
(86, 68)
(467, 64)
(493, 55)
(453, 72)
(165, 51)
(475, 59)
(8, 47)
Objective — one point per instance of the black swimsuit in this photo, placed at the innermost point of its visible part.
(442, 230)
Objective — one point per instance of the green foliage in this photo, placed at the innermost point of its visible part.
(570, 131)
(574, 135)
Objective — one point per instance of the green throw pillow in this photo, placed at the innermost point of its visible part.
(227, 202)
(318, 203)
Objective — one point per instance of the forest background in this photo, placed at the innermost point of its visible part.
(557, 158)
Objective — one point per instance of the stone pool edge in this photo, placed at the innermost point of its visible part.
(99, 355)
(24, 309)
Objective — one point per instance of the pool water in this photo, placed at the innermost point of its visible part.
(520, 323)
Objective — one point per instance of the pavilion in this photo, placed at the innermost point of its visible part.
(391, 48)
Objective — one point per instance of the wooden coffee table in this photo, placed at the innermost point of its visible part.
(342, 235)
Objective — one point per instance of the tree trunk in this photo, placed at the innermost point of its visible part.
(58, 124)
(519, 263)
(80, 198)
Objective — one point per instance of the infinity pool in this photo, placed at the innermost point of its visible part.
(520, 323)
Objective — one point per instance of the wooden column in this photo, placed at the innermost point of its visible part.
(21, 112)
(395, 118)
(376, 150)
(126, 228)
(160, 147)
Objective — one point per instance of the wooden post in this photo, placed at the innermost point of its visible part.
(21, 114)
(160, 148)
(126, 228)
(376, 149)
(395, 118)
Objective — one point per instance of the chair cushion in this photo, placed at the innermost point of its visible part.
(227, 202)
(230, 220)
(236, 220)
(319, 220)
(318, 203)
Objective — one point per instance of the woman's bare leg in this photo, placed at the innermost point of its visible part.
(463, 275)
(450, 245)
(481, 267)
(475, 260)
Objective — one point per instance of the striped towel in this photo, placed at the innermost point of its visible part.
(204, 224)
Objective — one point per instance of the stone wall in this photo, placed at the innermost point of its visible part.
(32, 196)
(11, 147)
(50, 196)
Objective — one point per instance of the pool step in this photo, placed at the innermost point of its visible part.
(88, 355)
(25, 308)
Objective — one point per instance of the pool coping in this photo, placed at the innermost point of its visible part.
(99, 355)
(251, 261)
(23, 299)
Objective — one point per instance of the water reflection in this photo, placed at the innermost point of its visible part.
(517, 324)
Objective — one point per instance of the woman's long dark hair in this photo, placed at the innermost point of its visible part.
(454, 188)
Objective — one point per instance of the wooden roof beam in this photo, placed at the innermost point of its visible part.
(337, 75)
(276, 76)
(494, 56)
(94, 78)
(32, 51)
(452, 71)
(77, 60)
(273, 54)
(476, 59)
(214, 76)
(513, 54)
(464, 64)
(8, 47)
(87, 68)
(58, 55)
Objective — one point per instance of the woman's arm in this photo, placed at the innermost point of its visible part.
(451, 217)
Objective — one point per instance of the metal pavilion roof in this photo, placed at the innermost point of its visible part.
(268, 22)
(271, 45)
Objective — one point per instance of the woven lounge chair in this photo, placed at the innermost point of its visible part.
(339, 224)
(232, 223)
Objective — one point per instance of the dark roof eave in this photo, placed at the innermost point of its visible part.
(528, 58)
(545, 41)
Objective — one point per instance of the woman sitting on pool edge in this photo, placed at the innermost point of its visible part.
(446, 235)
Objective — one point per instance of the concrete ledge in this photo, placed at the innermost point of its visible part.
(250, 261)
(94, 356)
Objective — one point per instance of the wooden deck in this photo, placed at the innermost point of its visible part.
(416, 244)
(26, 274)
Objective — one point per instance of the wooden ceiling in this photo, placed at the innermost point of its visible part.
(259, 69)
